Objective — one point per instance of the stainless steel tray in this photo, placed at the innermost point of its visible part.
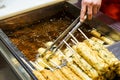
(10, 60)
(33, 17)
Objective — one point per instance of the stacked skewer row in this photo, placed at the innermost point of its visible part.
(87, 60)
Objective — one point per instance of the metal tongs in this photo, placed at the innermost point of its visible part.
(65, 36)
(59, 43)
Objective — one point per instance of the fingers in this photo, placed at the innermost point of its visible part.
(90, 11)
(95, 10)
(91, 7)
(83, 11)
(98, 8)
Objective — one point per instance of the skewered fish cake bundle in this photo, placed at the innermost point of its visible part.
(65, 70)
(47, 73)
(90, 60)
(95, 33)
(101, 51)
(84, 65)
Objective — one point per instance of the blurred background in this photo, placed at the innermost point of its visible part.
(111, 8)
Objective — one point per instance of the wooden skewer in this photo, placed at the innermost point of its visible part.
(36, 73)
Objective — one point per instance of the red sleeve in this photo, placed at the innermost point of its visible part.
(111, 8)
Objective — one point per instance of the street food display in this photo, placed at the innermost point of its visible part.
(89, 60)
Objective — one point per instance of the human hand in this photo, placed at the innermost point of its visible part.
(91, 7)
